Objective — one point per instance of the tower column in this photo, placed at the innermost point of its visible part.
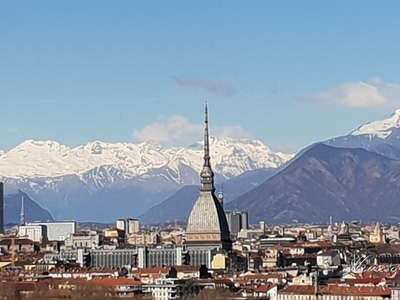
(23, 214)
(1, 207)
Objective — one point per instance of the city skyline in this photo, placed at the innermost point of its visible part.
(286, 73)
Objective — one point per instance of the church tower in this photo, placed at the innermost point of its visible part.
(207, 225)
(377, 236)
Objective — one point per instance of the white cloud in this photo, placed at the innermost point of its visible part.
(223, 88)
(177, 130)
(236, 132)
(374, 93)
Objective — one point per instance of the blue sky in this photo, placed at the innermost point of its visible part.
(286, 72)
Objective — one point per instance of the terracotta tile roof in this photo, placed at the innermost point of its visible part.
(314, 244)
(58, 293)
(356, 290)
(216, 280)
(155, 270)
(186, 268)
(63, 281)
(389, 271)
(299, 290)
(360, 281)
(30, 286)
(115, 281)
(263, 288)
(8, 241)
(262, 276)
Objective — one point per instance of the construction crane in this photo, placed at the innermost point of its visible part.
(12, 238)
(13, 256)
(12, 269)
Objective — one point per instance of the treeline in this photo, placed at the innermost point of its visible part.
(10, 291)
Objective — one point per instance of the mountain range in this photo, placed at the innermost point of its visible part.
(350, 177)
(102, 181)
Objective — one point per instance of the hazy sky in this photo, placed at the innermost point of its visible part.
(286, 72)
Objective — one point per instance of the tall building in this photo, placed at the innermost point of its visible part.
(129, 225)
(36, 233)
(56, 230)
(207, 226)
(1, 207)
(237, 220)
(23, 214)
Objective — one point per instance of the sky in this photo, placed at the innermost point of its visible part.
(288, 73)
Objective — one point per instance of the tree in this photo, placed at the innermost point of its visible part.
(214, 294)
(87, 290)
(8, 291)
(189, 290)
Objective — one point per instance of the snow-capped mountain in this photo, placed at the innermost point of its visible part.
(381, 128)
(380, 136)
(103, 181)
(38, 159)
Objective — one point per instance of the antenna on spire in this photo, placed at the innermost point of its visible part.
(206, 113)
(206, 135)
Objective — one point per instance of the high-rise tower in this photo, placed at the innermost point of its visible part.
(23, 214)
(1, 207)
(207, 225)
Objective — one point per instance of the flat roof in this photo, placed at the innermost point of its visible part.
(4, 264)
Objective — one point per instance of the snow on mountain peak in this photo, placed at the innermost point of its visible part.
(380, 128)
(42, 159)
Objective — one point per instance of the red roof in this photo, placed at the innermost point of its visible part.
(115, 281)
(299, 290)
(263, 288)
(360, 281)
(356, 290)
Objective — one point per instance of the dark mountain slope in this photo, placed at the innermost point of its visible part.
(33, 211)
(180, 204)
(326, 181)
(176, 207)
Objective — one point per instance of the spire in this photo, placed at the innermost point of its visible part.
(207, 175)
(206, 139)
(378, 229)
(23, 215)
